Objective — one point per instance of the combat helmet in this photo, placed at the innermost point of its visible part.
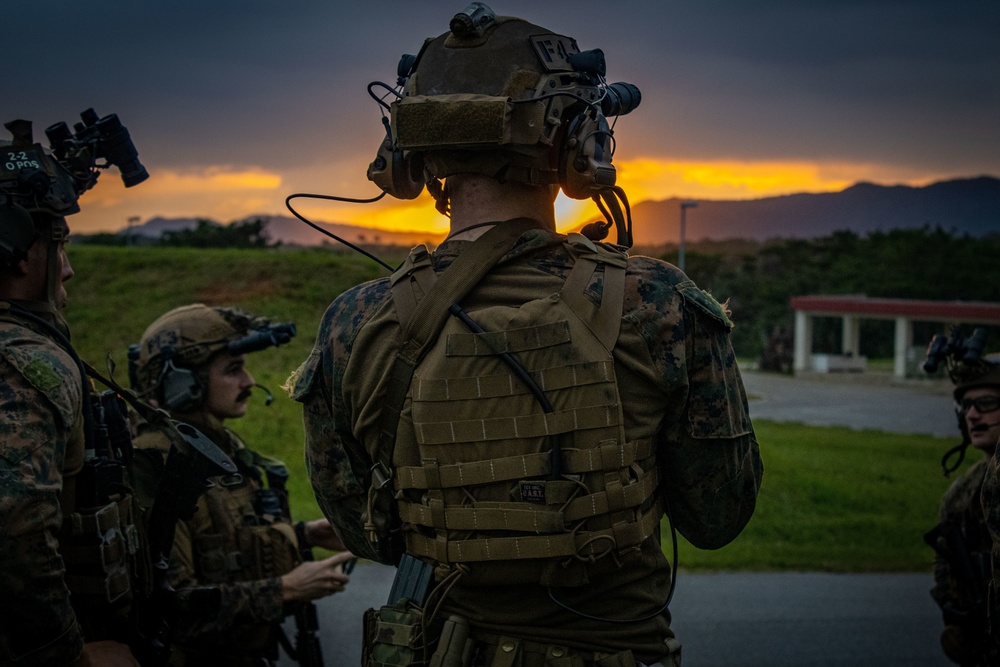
(984, 373)
(979, 371)
(501, 97)
(170, 362)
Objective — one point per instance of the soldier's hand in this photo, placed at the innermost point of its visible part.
(321, 533)
(315, 579)
(106, 654)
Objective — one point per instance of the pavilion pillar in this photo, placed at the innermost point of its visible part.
(850, 340)
(803, 341)
(904, 340)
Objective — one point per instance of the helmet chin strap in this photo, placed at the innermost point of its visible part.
(56, 235)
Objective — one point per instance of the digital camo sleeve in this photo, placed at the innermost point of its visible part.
(37, 623)
(337, 462)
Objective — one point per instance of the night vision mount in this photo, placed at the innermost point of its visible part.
(36, 179)
(963, 360)
(959, 353)
(52, 180)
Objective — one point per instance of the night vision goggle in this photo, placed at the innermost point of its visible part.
(52, 180)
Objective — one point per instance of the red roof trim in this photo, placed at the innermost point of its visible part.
(960, 311)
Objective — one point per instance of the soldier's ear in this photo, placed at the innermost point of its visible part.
(20, 267)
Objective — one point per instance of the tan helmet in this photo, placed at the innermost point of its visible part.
(502, 97)
(983, 373)
(169, 364)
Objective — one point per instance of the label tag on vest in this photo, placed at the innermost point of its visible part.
(533, 492)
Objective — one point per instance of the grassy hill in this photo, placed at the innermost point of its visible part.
(833, 499)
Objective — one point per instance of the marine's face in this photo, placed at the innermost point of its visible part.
(981, 411)
(229, 386)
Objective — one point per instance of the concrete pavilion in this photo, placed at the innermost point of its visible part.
(851, 309)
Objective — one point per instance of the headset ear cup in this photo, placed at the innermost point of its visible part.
(407, 175)
(585, 167)
(400, 177)
(180, 390)
(17, 234)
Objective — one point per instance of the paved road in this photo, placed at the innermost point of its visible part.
(772, 619)
(854, 401)
(736, 619)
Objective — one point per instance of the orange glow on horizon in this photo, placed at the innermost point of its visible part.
(226, 194)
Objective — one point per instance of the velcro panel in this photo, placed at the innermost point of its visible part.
(448, 121)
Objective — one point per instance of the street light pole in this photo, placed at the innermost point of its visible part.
(685, 205)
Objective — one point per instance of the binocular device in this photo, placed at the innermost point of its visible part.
(270, 335)
(52, 179)
(955, 349)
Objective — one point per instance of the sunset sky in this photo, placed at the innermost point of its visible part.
(235, 105)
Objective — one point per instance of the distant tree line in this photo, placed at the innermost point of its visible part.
(759, 278)
(205, 234)
(928, 263)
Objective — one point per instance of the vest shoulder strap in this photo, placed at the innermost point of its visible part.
(419, 333)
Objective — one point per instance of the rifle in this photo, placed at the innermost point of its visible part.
(307, 651)
(948, 541)
(192, 460)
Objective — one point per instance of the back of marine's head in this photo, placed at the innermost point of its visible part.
(505, 98)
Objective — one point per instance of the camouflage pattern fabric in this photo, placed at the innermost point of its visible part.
(216, 547)
(41, 449)
(680, 385)
(990, 501)
(961, 508)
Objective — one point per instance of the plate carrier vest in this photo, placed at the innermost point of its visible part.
(486, 496)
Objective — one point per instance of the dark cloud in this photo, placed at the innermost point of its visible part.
(282, 84)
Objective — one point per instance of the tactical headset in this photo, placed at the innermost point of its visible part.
(178, 387)
(548, 126)
(968, 368)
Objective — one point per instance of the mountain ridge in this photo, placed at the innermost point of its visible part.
(966, 206)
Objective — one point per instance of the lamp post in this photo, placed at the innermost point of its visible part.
(685, 205)
(132, 221)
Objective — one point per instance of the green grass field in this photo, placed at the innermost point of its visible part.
(833, 499)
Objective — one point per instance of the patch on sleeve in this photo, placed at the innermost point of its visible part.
(50, 371)
(42, 374)
(704, 302)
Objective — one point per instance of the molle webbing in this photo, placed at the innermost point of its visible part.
(505, 651)
(98, 546)
(418, 332)
(484, 489)
(583, 545)
(529, 465)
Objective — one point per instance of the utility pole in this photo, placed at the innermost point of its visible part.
(685, 205)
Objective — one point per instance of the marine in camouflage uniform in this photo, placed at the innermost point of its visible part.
(41, 450)
(240, 539)
(961, 566)
(42, 445)
(531, 565)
